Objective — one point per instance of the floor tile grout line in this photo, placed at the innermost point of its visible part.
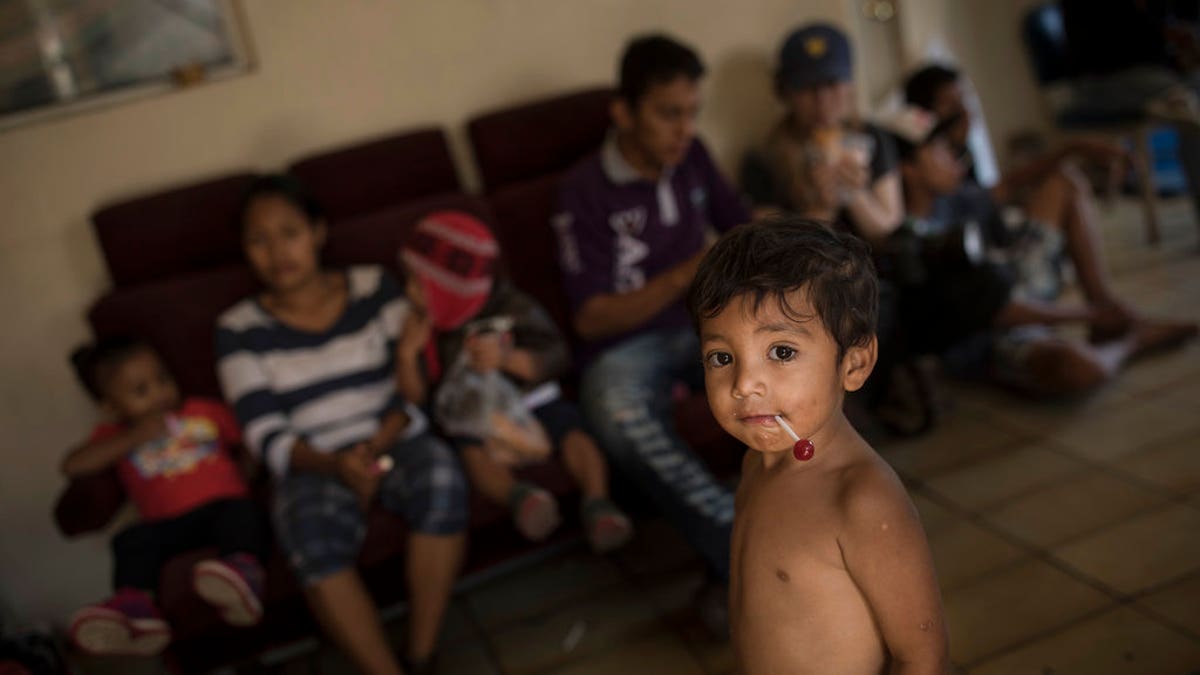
(1036, 552)
(1166, 621)
(635, 631)
(485, 637)
(1047, 633)
(1130, 604)
(636, 582)
(567, 599)
(628, 577)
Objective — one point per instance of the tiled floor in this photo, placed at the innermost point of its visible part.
(1066, 535)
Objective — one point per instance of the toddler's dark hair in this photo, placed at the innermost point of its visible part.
(281, 185)
(95, 362)
(655, 59)
(770, 258)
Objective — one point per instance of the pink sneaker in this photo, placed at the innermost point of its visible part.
(535, 512)
(608, 529)
(233, 585)
(127, 624)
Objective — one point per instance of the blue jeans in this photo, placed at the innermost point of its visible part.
(625, 395)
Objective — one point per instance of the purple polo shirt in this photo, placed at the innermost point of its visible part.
(616, 230)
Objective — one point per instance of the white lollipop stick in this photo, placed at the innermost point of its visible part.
(786, 428)
(384, 464)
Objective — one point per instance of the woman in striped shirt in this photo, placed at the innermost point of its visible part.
(309, 367)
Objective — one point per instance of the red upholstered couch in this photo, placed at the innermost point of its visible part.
(175, 262)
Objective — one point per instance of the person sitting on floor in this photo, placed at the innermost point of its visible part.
(981, 286)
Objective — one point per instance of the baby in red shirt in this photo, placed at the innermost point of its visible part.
(172, 457)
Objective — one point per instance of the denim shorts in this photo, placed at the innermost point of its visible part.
(321, 526)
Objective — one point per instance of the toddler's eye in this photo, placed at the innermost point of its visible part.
(718, 359)
(781, 353)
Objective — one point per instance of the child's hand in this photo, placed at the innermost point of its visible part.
(151, 428)
(418, 328)
(486, 353)
(356, 468)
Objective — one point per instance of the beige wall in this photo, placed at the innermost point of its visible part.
(985, 39)
(330, 71)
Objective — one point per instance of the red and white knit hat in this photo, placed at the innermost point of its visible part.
(453, 255)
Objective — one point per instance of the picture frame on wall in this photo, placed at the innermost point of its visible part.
(61, 57)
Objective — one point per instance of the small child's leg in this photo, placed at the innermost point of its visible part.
(128, 623)
(233, 584)
(493, 479)
(535, 511)
(607, 527)
(585, 463)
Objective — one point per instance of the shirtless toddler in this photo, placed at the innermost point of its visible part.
(831, 572)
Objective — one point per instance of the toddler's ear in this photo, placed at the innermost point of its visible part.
(857, 364)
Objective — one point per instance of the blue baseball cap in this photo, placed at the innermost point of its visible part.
(812, 55)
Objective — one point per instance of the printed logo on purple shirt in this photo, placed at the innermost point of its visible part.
(630, 251)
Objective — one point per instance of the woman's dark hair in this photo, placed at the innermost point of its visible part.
(922, 87)
(655, 59)
(770, 258)
(96, 362)
(285, 186)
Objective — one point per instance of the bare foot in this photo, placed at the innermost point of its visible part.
(1150, 336)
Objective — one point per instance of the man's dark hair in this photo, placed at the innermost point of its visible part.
(770, 258)
(655, 59)
(922, 87)
(285, 186)
(96, 362)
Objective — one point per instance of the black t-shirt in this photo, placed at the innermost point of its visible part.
(765, 179)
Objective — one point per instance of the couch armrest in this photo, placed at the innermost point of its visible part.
(89, 503)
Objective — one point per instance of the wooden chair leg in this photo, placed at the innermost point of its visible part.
(1145, 177)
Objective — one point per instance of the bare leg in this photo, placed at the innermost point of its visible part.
(493, 479)
(1066, 367)
(344, 609)
(585, 463)
(1065, 200)
(432, 566)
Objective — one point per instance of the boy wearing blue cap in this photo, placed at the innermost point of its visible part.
(821, 161)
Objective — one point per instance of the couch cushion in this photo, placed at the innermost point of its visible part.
(540, 137)
(176, 232)
(523, 211)
(376, 238)
(178, 317)
(367, 177)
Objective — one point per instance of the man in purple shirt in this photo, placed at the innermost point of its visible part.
(633, 223)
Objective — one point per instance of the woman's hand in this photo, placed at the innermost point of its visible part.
(357, 469)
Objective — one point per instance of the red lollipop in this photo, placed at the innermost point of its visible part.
(804, 449)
